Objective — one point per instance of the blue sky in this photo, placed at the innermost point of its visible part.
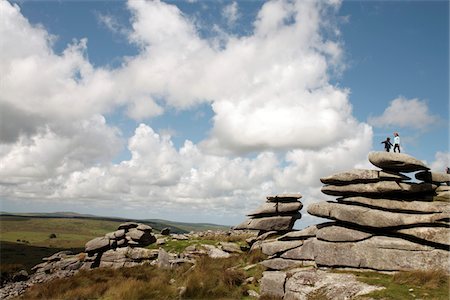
(194, 111)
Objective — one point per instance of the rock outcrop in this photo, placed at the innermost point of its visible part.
(279, 214)
(380, 221)
(129, 234)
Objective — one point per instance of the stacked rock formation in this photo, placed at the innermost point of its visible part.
(279, 214)
(128, 234)
(380, 221)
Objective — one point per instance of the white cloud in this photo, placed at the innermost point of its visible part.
(441, 162)
(269, 91)
(231, 13)
(403, 112)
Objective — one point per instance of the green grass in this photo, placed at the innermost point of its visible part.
(24, 255)
(69, 232)
(210, 279)
(432, 284)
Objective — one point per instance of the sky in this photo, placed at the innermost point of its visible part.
(195, 111)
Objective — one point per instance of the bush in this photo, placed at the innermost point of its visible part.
(52, 236)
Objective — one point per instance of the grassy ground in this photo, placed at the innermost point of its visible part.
(25, 256)
(408, 285)
(210, 279)
(69, 232)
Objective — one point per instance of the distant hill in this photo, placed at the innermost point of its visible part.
(157, 224)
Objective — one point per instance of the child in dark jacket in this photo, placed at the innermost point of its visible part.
(387, 144)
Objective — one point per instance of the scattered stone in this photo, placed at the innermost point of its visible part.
(163, 259)
(165, 231)
(252, 293)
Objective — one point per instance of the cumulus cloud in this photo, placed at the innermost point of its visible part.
(403, 112)
(278, 123)
(441, 161)
(231, 13)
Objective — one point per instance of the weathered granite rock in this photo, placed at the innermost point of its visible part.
(442, 196)
(230, 247)
(272, 284)
(284, 198)
(364, 216)
(271, 248)
(144, 227)
(397, 205)
(305, 284)
(304, 234)
(58, 256)
(336, 233)
(439, 235)
(163, 259)
(362, 176)
(281, 264)
(396, 162)
(274, 208)
(279, 223)
(119, 234)
(381, 253)
(97, 245)
(165, 231)
(379, 188)
(214, 252)
(305, 252)
(434, 177)
(128, 225)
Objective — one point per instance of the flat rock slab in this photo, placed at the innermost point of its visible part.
(380, 253)
(284, 198)
(275, 208)
(281, 264)
(398, 205)
(396, 162)
(230, 247)
(439, 235)
(271, 248)
(272, 284)
(379, 188)
(304, 284)
(303, 234)
(435, 177)
(269, 223)
(369, 217)
(362, 176)
(336, 233)
(214, 252)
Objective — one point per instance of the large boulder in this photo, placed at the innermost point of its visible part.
(380, 188)
(364, 216)
(274, 247)
(303, 234)
(128, 225)
(396, 162)
(362, 176)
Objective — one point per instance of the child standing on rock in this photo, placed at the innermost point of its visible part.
(387, 144)
(396, 142)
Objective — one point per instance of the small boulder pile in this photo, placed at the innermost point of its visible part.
(130, 234)
(278, 213)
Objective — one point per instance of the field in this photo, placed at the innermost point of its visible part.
(26, 238)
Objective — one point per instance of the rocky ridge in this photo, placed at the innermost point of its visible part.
(380, 221)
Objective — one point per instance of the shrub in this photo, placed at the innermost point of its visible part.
(52, 236)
